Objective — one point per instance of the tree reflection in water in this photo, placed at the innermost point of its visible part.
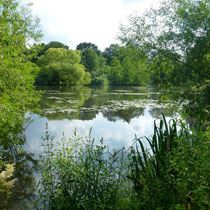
(84, 103)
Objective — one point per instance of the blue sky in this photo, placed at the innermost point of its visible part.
(74, 21)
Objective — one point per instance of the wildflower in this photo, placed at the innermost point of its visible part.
(4, 175)
(168, 145)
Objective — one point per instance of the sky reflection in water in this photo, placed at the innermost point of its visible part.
(116, 114)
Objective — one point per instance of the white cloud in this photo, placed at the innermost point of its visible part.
(76, 21)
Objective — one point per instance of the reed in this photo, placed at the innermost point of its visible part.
(172, 172)
(169, 170)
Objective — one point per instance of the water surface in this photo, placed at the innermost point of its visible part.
(115, 113)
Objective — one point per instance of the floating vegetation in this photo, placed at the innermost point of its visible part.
(126, 101)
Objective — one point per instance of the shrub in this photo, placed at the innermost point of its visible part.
(168, 171)
(78, 174)
(173, 174)
(5, 182)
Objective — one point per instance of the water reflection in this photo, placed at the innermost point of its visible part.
(114, 113)
(84, 103)
(157, 112)
(64, 103)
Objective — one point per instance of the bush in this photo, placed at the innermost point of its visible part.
(6, 183)
(77, 174)
(173, 174)
(168, 171)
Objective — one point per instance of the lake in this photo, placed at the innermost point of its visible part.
(115, 113)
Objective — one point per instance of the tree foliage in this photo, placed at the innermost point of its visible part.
(176, 39)
(94, 63)
(87, 45)
(17, 93)
(109, 52)
(127, 65)
(61, 66)
(53, 44)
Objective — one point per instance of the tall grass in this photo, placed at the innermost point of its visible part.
(171, 173)
(78, 174)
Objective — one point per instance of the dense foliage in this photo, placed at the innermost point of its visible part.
(77, 174)
(61, 66)
(53, 44)
(94, 63)
(173, 172)
(175, 38)
(16, 79)
(87, 45)
(17, 94)
(127, 65)
(169, 172)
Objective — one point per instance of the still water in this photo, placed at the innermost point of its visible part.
(115, 113)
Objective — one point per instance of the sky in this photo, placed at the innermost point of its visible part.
(75, 21)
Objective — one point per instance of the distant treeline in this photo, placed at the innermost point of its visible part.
(117, 65)
(165, 59)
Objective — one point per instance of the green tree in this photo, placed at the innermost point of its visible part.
(132, 62)
(116, 70)
(87, 45)
(53, 44)
(175, 38)
(109, 52)
(128, 71)
(94, 63)
(34, 51)
(17, 95)
(61, 66)
(90, 60)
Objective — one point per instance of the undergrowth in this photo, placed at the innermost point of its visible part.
(171, 173)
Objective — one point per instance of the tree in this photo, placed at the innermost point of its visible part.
(109, 52)
(87, 45)
(115, 74)
(175, 38)
(134, 65)
(17, 94)
(61, 66)
(94, 63)
(128, 66)
(53, 44)
(90, 60)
